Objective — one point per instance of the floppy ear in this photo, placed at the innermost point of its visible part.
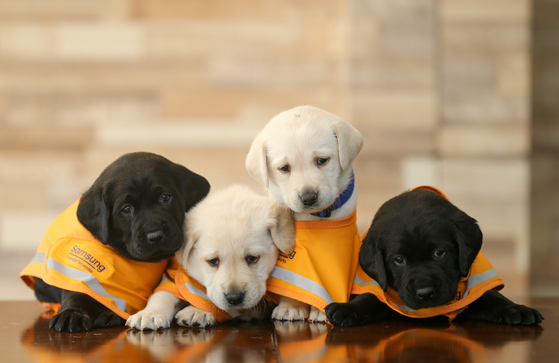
(194, 187)
(469, 239)
(93, 213)
(372, 262)
(190, 238)
(282, 229)
(256, 163)
(350, 142)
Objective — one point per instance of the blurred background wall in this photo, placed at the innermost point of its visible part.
(441, 91)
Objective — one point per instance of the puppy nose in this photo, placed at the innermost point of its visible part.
(154, 237)
(309, 198)
(235, 298)
(425, 293)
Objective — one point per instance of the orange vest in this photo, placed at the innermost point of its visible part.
(177, 282)
(70, 258)
(481, 278)
(322, 267)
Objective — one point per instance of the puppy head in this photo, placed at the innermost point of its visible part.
(420, 245)
(232, 242)
(303, 156)
(138, 203)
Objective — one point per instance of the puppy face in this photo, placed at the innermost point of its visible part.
(420, 245)
(303, 156)
(138, 203)
(233, 238)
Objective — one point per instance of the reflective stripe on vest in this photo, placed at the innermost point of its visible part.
(303, 282)
(88, 279)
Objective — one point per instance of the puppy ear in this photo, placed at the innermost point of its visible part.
(282, 228)
(190, 237)
(194, 187)
(372, 262)
(256, 163)
(469, 239)
(93, 213)
(350, 142)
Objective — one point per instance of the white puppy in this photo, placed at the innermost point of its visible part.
(231, 246)
(303, 156)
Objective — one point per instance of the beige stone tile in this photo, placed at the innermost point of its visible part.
(483, 107)
(26, 41)
(116, 9)
(100, 41)
(59, 9)
(239, 9)
(23, 230)
(484, 39)
(396, 143)
(487, 178)
(230, 103)
(484, 140)
(480, 11)
(72, 138)
(390, 75)
(81, 78)
(24, 193)
(467, 73)
(265, 73)
(410, 111)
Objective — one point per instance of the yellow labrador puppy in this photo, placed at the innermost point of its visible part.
(231, 246)
(303, 156)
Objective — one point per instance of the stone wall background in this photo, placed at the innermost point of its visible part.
(441, 90)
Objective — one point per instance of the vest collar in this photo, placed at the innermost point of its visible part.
(340, 201)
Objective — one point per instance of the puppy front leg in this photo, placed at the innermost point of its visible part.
(80, 312)
(364, 309)
(493, 307)
(289, 309)
(158, 313)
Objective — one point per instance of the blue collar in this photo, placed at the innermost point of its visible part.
(341, 200)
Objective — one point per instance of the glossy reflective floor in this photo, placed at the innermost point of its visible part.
(25, 337)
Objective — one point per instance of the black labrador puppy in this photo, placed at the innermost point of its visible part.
(137, 207)
(421, 246)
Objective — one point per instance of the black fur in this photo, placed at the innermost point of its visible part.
(421, 245)
(137, 206)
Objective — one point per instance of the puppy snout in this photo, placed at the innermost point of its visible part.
(309, 198)
(235, 298)
(155, 237)
(425, 293)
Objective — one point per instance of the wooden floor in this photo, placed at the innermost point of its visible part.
(25, 337)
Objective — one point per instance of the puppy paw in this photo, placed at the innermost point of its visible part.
(341, 314)
(107, 319)
(148, 320)
(519, 315)
(192, 317)
(286, 312)
(71, 321)
(317, 316)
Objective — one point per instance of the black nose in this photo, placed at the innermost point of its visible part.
(154, 237)
(309, 198)
(425, 293)
(235, 298)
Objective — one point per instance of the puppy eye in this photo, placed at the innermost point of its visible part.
(252, 259)
(322, 161)
(127, 209)
(165, 198)
(399, 260)
(214, 262)
(438, 253)
(286, 168)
